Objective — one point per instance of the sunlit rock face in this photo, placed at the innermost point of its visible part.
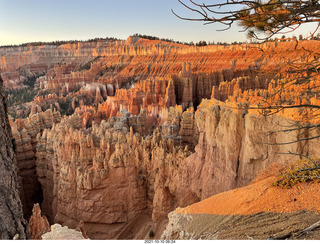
(120, 130)
(67, 75)
(108, 175)
(105, 175)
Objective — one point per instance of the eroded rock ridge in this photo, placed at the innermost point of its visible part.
(120, 130)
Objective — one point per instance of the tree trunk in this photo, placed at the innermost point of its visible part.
(12, 222)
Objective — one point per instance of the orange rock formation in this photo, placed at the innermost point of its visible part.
(24, 133)
(151, 125)
(38, 225)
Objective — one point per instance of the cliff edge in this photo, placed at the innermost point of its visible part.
(12, 223)
(257, 211)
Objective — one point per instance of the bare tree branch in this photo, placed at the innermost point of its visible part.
(302, 155)
(268, 17)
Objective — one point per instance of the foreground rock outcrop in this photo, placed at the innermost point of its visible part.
(58, 232)
(259, 226)
(257, 211)
(12, 223)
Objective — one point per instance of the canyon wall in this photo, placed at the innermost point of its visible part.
(236, 143)
(116, 62)
(24, 132)
(108, 175)
(133, 129)
(70, 76)
(12, 223)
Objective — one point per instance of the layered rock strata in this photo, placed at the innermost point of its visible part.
(106, 175)
(70, 71)
(24, 132)
(235, 144)
(109, 167)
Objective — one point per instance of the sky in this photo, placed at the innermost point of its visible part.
(23, 21)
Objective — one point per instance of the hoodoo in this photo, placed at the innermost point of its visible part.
(117, 134)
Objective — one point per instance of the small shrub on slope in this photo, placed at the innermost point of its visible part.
(301, 171)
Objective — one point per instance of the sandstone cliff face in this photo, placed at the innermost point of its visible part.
(106, 166)
(105, 175)
(13, 225)
(24, 133)
(235, 144)
(79, 169)
(159, 58)
(181, 126)
(72, 72)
